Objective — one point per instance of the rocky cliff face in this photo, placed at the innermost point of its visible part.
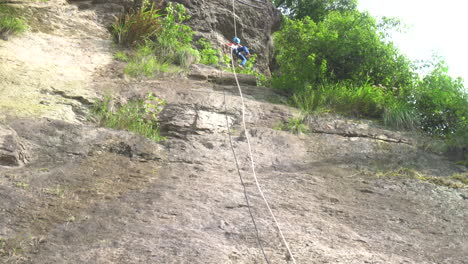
(348, 191)
(256, 21)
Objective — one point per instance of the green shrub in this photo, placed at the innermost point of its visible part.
(135, 28)
(208, 55)
(441, 102)
(345, 46)
(11, 22)
(139, 116)
(174, 36)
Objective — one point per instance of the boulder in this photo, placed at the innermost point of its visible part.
(12, 151)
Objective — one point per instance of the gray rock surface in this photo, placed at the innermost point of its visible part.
(12, 150)
(97, 195)
(255, 20)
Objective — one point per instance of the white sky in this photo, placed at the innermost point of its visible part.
(434, 25)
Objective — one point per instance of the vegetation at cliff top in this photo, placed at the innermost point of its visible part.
(332, 57)
(329, 56)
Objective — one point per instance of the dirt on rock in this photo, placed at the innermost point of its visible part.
(347, 191)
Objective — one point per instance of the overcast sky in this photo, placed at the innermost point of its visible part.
(434, 25)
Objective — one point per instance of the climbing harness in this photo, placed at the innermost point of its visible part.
(252, 163)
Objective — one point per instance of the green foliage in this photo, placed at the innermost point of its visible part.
(209, 55)
(331, 56)
(121, 56)
(344, 46)
(139, 116)
(135, 28)
(317, 10)
(11, 23)
(441, 102)
(174, 35)
(161, 39)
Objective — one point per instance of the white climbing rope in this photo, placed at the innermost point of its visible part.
(252, 163)
(246, 196)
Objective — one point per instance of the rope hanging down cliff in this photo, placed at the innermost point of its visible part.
(252, 163)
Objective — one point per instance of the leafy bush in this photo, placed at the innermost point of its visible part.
(139, 116)
(10, 22)
(317, 10)
(343, 47)
(174, 36)
(209, 55)
(441, 102)
(308, 99)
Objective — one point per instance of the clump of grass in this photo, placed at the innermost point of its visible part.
(308, 100)
(11, 22)
(456, 181)
(144, 63)
(187, 56)
(121, 56)
(139, 115)
(295, 125)
(136, 27)
(461, 177)
(400, 115)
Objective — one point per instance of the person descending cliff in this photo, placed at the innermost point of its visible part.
(240, 51)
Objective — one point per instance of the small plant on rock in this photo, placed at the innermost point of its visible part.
(10, 22)
(138, 115)
(295, 125)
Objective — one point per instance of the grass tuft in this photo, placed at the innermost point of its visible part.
(400, 115)
(456, 181)
(139, 115)
(11, 22)
(295, 125)
(135, 28)
(121, 56)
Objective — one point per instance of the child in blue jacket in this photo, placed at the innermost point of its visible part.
(240, 50)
